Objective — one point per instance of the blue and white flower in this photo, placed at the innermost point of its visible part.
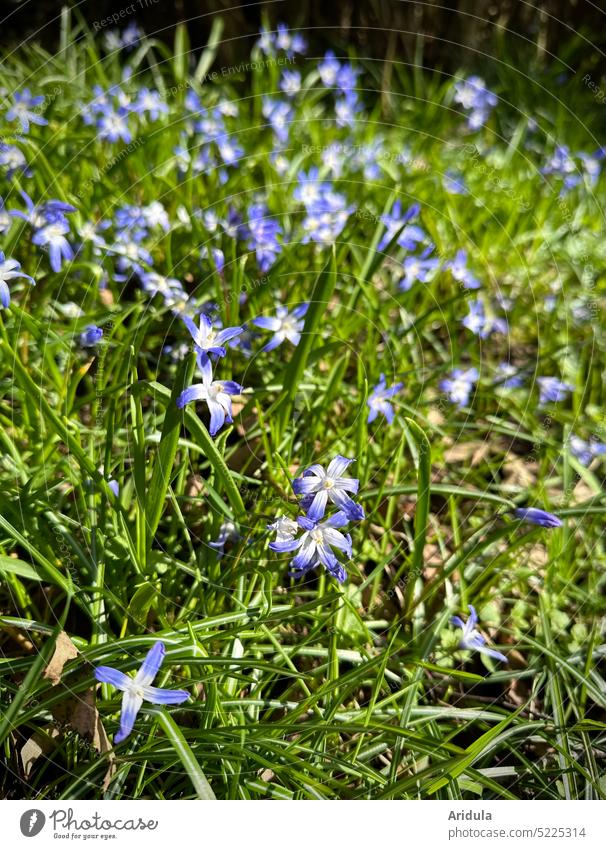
(379, 401)
(471, 639)
(138, 689)
(207, 339)
(9, 270)
(24, 110)
(460, 272)
(315, 546)
(215, 393)
(459, 385)
(319, 486)
(552, 390)
(284, 325)
(91, 336)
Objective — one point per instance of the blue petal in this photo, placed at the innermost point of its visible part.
(194, 393)
(228, 333)
(231, 387)
(318, 505)
(285, 545)
(206, 367)
(130, 709)
(160, 696)
(338, 465)
(217, 417)
(151, 664)
(266, 322)
(306, 559)
(193, 330)
(109, 675)
(5, 295)
(275, 340)
(337, 520)
(338, 572)
(538, 517)
(494, 653)
(306, 523)
(353, 511)
(304, 485)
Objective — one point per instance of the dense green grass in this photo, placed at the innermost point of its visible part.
(306, 689)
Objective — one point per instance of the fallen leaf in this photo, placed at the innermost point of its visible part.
(78, 712)
(42, 742)
(519, 472)
(435, 417)
(473, 451)
(87, 722)
(582, 492)
(64, 650)
(538, 556)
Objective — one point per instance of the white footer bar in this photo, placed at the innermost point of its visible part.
(303, 825)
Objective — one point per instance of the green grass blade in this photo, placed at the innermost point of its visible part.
(188, 759)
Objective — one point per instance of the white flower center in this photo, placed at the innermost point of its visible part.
(288, 324)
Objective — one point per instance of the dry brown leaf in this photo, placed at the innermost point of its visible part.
(79, 713)
(435, 417)
(432, 556)
(473, 451)
(238, 406)
(581, 492)
(518, 692)
(519, 472)
(64, 650)
(19, 638)
(266, 775)
(40, 743)
(538, 555)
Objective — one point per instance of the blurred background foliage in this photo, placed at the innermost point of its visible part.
(435, 34)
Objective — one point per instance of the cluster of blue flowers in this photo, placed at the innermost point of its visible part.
(13, 160)
(271, 43)
(208, 145)
(473, 96)
(459, 385)
(342, 78)
(317, 487)
(574, 168)
(586, 450)
(481, 323)
(209, 341)
(26, 109)
(50, 228)
(461, 382)
(262, 231)
(421, 267)
(326, 211)
(127, 39)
